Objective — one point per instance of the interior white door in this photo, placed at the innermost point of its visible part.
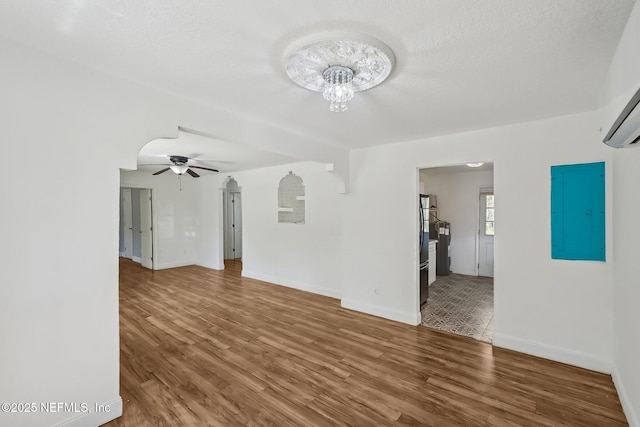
(486, 234)
(146, 229)
(228, 233)
(232, 225)
(127, 223)
(237, 225)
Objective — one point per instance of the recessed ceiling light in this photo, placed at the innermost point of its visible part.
(475, 164)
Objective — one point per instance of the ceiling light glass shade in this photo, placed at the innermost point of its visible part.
(475, 164)
(338, 65)
(338, 88)
(179, 168)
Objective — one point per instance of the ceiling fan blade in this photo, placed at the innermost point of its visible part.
(162, 171)
(207, 169)
(208, 160)
(192, 173)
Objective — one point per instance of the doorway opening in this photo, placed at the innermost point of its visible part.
(136, 225)
(460, 220)
(232, 219)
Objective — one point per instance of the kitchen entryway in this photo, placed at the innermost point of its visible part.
(461, 305)
(460, 300)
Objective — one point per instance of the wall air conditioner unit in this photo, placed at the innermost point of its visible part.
(625, 132)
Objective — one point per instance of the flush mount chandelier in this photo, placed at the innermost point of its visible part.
(339, 65)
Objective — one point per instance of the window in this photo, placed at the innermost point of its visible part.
(489, 215)
(578, 212)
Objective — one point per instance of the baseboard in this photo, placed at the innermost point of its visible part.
(292, 284)
(633, 418)
(174, 264)
(95, 418)
(550, 352)
(136, 259)
(212, 266)
(398, 316)
(123, 254)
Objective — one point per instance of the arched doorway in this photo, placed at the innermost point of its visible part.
(232, 219)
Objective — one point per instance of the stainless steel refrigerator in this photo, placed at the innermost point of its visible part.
(441, 230)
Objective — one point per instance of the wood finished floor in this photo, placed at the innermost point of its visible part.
(203, 347)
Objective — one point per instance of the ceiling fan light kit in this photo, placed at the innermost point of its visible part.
(339, 65)
(180, 165)
(179, 168)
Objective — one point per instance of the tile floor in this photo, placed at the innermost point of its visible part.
(461, 305)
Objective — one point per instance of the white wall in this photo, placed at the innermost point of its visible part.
(211, 242)
(77, 127)
(59, 274)
(458, 203)
(623, 80)
(556, 309)
(304, 256)
(626, 288)
(176, 215)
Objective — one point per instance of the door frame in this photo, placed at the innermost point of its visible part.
(481, 191)
(154, 219)
(416, 203)
(126, 213)
(230, 232)
(222, 190)
(142, 232)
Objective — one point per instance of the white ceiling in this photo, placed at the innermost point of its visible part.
(460, 64)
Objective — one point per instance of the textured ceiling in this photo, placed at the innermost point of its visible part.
(460, 64)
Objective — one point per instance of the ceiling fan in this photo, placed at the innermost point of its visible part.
(180, 166)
